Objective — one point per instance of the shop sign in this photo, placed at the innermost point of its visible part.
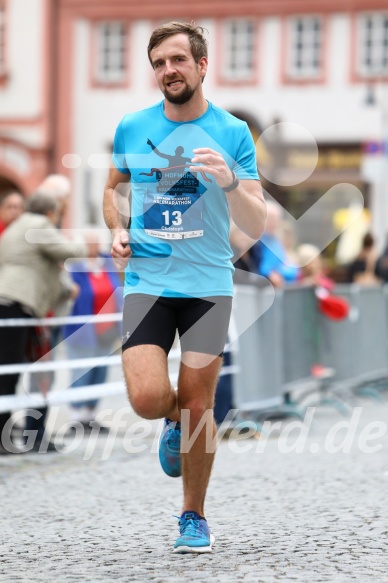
(328, 159)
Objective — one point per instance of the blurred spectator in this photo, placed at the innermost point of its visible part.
(29, 283)
(58, 187)
(362, 269)
(224, 393)
(269, 253)
(313, 273)
(312, 270)
(100, 293)
(357, 225)
(288, 240)
(11, 207)
(242, 260)
(381, 269)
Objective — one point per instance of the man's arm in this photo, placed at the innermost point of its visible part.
(246, 202)
(247, 207)
(116, 215)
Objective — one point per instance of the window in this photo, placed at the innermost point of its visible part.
(305, 48)
(111, 52)
(2, 37)
(239, 47)
(373, 44)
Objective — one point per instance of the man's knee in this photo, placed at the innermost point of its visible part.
(148, 401)
(197, 409)
(144, 406)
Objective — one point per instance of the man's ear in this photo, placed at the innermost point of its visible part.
(202, 63)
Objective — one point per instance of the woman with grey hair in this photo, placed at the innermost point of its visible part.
(31, 252)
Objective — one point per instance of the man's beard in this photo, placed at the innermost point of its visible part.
(180, 98)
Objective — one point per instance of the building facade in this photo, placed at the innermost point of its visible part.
(70, 69)
(25, 94)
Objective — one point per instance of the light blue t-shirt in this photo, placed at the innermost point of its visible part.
(179, 229)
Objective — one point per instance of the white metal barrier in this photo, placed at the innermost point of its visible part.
(281, 349)
(69, 395)
(278, 342)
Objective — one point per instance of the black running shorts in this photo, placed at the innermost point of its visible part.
(202, 323)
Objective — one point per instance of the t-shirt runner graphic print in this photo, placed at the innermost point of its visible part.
(175, 209)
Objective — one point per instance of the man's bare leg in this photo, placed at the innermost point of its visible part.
(149, 389)
(152, 397)
(196, 390)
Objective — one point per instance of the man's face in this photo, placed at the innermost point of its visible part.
(177, 74)
(12, 208)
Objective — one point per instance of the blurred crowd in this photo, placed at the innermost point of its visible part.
(34, 283)
(282, 260)
(279, 258)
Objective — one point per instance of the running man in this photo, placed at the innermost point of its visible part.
(177, 257)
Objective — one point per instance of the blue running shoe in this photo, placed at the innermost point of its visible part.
(195, 535)
(170, 448)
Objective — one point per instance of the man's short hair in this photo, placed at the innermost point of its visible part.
(194, 33)
(41, 203)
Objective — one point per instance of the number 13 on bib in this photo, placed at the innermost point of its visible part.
(173, 216)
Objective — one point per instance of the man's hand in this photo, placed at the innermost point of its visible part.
(276, 279)
(120, 250)
(213, 163)
(245, 203)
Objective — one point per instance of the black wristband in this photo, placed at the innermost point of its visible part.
(234, 184)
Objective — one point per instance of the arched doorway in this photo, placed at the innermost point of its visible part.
(254, 126)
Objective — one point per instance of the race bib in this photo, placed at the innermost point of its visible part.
(175, 210)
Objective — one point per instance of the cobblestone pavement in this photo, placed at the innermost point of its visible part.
(314, 515)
